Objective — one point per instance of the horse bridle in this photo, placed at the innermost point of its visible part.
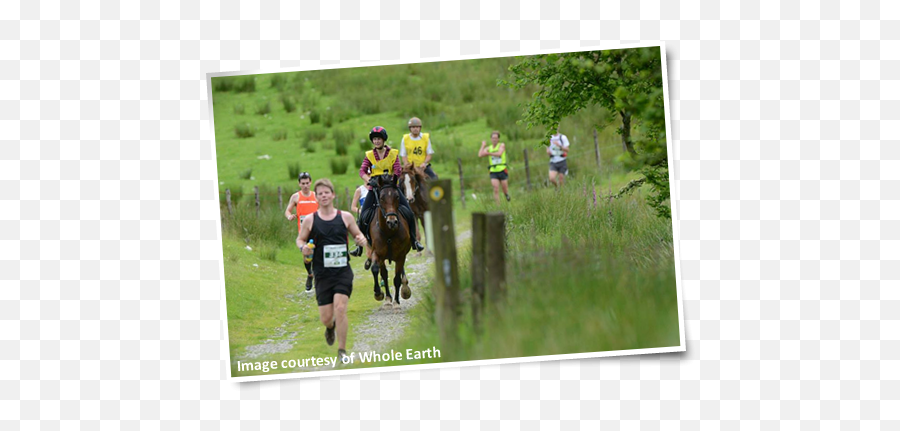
(378, 201)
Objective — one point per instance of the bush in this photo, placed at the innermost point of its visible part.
(263, 108)
(314, 116)
(339, 165)
(222, 83)
(316, 133)
(244, 130)
(288, 102)
(364, 145)
(245, 85)
(293, 170)
(308, 146)
(279, 135)
(246, 174)
(278, 81)
(239, 109)
(342, 139)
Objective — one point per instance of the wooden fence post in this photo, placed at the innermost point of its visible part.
(495, 224)
(527, 172)
(280, 201)
(462, 189)
(478, 267)
(228, 199)
(597, 151)
(256, 192)
(446, 283)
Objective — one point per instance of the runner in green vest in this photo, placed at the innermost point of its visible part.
(498, 167)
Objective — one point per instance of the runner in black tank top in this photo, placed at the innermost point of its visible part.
(330, 262)
(334, 278)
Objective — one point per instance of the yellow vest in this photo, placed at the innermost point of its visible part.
(416, 150)
(498, 164)
(385, 165)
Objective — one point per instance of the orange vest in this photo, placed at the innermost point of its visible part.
(306, 205)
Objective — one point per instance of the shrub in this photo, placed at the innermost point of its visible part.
(245, 85)
(339, 165)
(364, 145)
(279, 135)
(244, 130)
(308, 146)
(342, 139)
(246, 174)
(223, 83)
(263, 108)
(288, 102)
(314, 116)
(278, 81)
(293, 170)
(316, 133)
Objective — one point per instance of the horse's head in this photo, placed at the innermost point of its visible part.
(412, 179)
(389, 200)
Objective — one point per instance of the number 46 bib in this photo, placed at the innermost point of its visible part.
(335, 255)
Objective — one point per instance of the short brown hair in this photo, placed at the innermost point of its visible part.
(324, 182)
(496, 132)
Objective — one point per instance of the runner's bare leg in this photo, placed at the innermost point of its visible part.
(340, 312)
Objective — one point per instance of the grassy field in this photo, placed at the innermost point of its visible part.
(609, 286)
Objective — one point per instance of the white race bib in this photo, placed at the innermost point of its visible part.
(496, 160)
(335, 255)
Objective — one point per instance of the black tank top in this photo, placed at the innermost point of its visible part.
(330, 236)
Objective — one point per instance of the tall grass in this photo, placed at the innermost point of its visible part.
(293, 170)
(609, 285)
(339, 165)
(244, 130)
(270, 229)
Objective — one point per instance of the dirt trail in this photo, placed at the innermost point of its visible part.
(381, 327)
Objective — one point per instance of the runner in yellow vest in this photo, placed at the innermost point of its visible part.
(304, 202)
(498, 167)
(383, 159)
(415, 147)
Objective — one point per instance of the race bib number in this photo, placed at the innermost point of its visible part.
(555, 149)
(302, 217)
(335, 255)
(496, 160)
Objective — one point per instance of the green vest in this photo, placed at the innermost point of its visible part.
(498, 164)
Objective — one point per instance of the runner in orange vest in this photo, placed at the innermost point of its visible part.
(304, 203)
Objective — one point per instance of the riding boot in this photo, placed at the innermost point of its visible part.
(412, 234)
(358, 251)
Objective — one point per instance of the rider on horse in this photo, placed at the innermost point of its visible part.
(382, 159)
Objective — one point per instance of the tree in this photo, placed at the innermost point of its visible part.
(627, 82)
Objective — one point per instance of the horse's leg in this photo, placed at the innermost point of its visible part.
(379, 295)
(387, 288)
(405, 293)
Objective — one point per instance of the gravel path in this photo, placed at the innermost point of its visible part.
(382, 326)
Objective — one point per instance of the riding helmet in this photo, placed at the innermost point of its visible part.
(414, 121)
(378, 131)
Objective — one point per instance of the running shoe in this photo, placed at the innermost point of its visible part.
(329, 335)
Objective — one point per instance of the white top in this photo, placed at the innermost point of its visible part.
(403, 147)
(558, 142)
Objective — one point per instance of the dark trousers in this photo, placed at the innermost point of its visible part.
(430, 172)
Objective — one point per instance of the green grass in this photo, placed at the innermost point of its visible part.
(623, 261)
(611, 288)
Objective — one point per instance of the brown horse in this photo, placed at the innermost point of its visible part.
(390, 241)
(414, 185)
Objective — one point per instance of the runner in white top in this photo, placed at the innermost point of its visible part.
(558, 150)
